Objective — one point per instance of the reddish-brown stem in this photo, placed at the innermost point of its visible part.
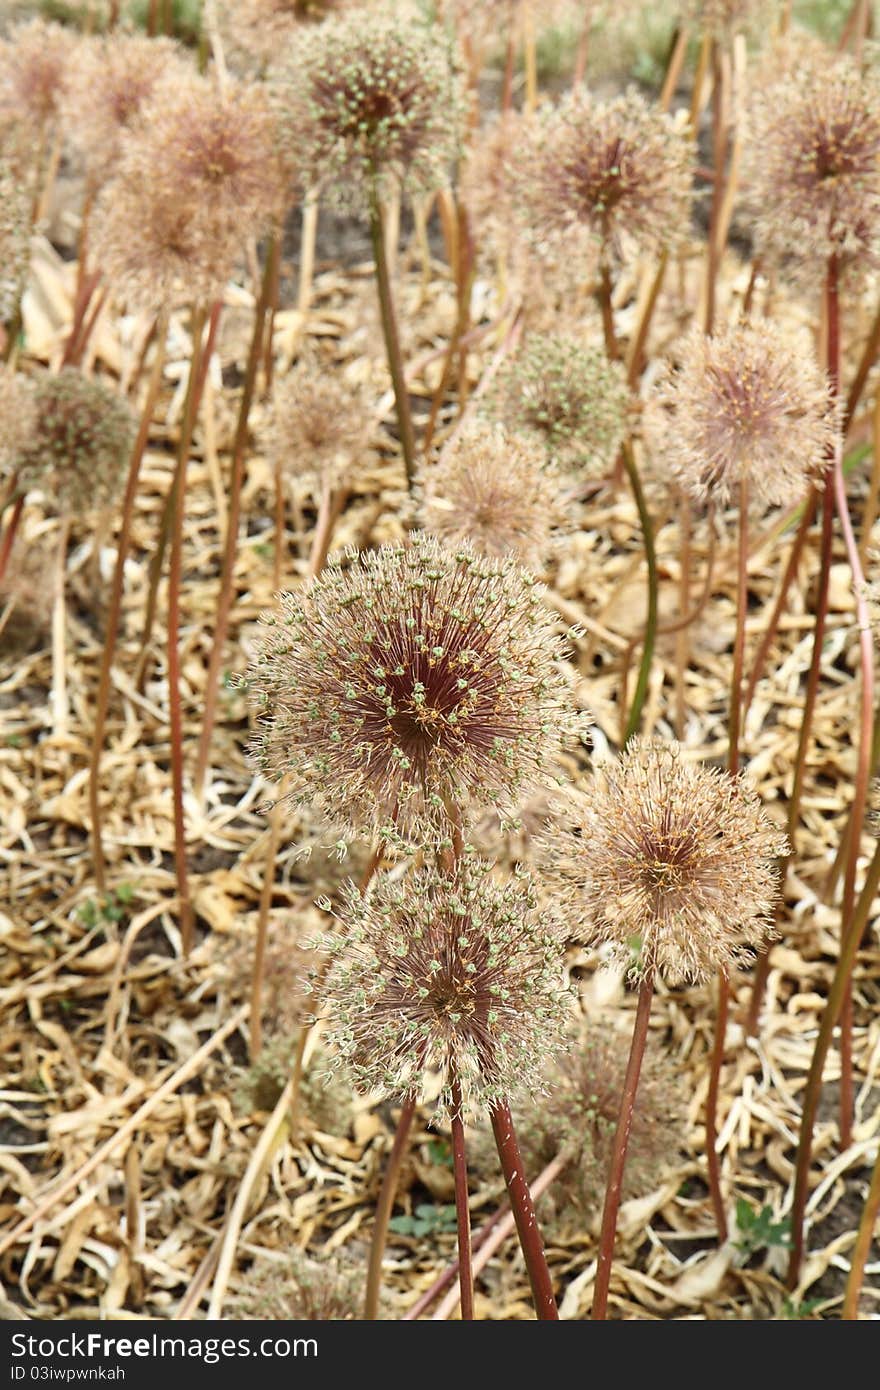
(606, 308)
(102, 698)
(76, 340)
(224, 602)
(175, 580)
(621, 1142)
(9, 535)
(812, 1090)
(871, 1211)
(384, 1207)
(742, 586)
(462, 1206)
(713, 1161)
(256, 1015)
(523, 1211)
(493, 1235)
(273, 256)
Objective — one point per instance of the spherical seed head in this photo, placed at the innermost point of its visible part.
(34, 67)
(577, 1114)
(113, 78)
(261, 28)
(302, 1289)
(219, 146)
(81, 445)
(813, 164)
(673, 861)
(15, 240)
(418, 677)
(496, 491)
(18, 420)
(455, 972)
(744, 405)
(364, 99)
(318, 424)
(617, 172)
(569, 398)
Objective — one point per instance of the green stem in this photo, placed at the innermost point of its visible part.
(641, 691)
(392, 340)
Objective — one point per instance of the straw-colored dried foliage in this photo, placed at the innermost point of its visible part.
(133, 1125)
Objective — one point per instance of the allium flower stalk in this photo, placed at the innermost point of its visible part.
(813, 171)
(673, 862)
(617, 173)
(495, 490)
(198, 175)
(417, 678)
(675, 869)
(367, 105)
(743, 406)
(458, 972)
(567, 397)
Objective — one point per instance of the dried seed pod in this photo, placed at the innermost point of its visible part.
(418, 677)
(494, 490)
(673, 863)
(569, 398)
(80, 444)
(812, 165)
(615, 173)
(317, 424)
(365, 100)
(743, 405)
(456, 972)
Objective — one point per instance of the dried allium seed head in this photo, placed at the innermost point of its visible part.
(34, 66)
(317, 424)
(497, 492)
(813, 165)
(113, 78)
(15, 239)
(78, 452)
(744, 405)
(363, 99)
(18, 420)
(486, 185)
(673, 861)
(577, 1114)
(418, 677)
(26, 594)
(219, 147)
(298, 1288)
(459, 973)
(618, 171)
(219, 144)
(260, 29)
(570, 398)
